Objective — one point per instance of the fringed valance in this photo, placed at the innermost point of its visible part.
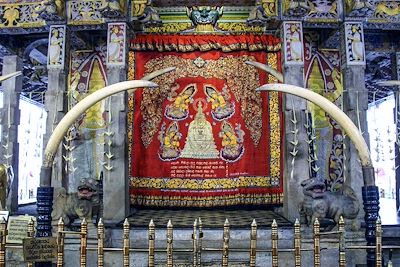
(187, 43)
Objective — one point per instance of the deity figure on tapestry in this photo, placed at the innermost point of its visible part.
(294, 43)
(55, 48)
(323, 76)
(179, 109)
(355, 44)
(200, 142)
(94, 115)
(85, 140)
(116, 43)
(169, 138)
(232, 142)
(221, 108)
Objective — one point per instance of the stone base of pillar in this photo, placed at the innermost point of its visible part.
(44, 209)
(370, 196)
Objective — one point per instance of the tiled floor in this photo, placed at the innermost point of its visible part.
(240, 218)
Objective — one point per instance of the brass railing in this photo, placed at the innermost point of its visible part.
(197, 244)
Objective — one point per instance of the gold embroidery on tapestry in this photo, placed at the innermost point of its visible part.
(275, 122)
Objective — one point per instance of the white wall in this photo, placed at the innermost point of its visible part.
(382, 131)
(30, 138)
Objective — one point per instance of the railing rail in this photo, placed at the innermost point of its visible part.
(198, 244)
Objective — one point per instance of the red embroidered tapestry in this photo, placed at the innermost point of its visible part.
(205, 137)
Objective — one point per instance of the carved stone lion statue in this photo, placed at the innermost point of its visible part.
(322, 204)
(85, 203)
(6, 179)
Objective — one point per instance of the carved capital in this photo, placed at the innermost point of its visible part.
(138, 7)
(51, 10)
(204, 18)
(143, 12)
(263, 11)
(113, 8)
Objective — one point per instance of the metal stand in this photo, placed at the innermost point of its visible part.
(44, 209)
(370, 195)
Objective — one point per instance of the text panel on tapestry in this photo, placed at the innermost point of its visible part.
(205, 137)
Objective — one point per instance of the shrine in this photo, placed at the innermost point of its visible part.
(186, 133)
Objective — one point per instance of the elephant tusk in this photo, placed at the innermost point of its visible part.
(72, 115)
(278, 75)
(336, 113)
(8, 76)
(156, 73)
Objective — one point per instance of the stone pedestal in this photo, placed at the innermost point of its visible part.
(10, 121)
(296, 166)
(55, 106)
(296, 154)
(355, 105)
(116, 180)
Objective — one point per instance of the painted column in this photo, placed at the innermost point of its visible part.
(54, 104)
(397, 143)
(10, 121)
(296, 154)
(55, 94)
(115, 173)
(355, 105)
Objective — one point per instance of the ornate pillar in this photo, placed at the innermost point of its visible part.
(397, 143)
(296, 164)
(54, 104)
(355, 105)
(55, 94)
(115, 176)
(10, 121)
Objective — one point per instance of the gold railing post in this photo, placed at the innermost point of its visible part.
(30, 232)
(342, 243)
(60, 243)
(151, 242)
(317, 251)
(200, 242)
(253, 243)
(297, 244)
(274, 238)
(3, 235)
(100, 243)
(126, 243)
(170, 247)
(194, 238)
(225, 247)
(378, 234)
(84, 232)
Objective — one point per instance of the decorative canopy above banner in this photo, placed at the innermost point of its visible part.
(189, 43)
(205, 137)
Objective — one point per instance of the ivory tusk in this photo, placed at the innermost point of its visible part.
(336, 113)
(278, 75)
(72, 115)
(8, 76)
(155, 74)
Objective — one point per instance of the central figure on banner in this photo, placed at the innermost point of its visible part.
(200, 141)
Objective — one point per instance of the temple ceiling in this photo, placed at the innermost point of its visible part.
(167, 3)
(380, 45)
(378, 69)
